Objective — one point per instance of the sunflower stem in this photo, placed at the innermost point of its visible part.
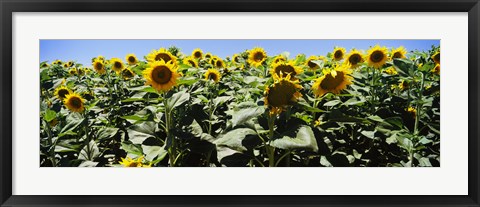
(270, 149)
(87, 134)
(51, 151)
(168, 122)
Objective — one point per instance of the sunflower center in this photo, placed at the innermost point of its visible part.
(98, 66)
(437, 58)
(338, 54)
(236, 59)
(354, 59)
(285, 69)
(397, 55)
(377, 56)
(281, 94)
(163, 56)
(133, 164)
(219, 63)
(330, 82)
(311, 64)
(117, 64)
(161, 74)
(191, 62)
(258, 57)
(63, 92)
(197, 54)
(76, 102)
(131, 59)
(212, 76)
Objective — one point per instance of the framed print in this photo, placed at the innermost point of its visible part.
(199, 103)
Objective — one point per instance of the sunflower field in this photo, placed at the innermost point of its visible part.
(378, 107)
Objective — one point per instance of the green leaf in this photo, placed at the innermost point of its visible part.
(106, 133)
(132, 148)
(89, 152)
(332, 103)
(73, 121)
(49, 115)
(243, 115)
(233, 139)
(309, 108)
(177, 99)
(152, 153)
(140, 132)
(302, 139)
(220, 100)
(88, 163)
(354, 101)
(369, 134)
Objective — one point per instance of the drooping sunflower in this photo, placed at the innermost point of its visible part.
(282, 69)
(391, 71)
(214, 59)
(127, 74)
(129, 162)
(65, 65)
(213, 74)
(44, 65)
(436, 57)
(57, 62)
(117, 65)
(333, 81)
(197, 53)
(281, 94)
(311, 65)
(99, 66)
(338, 53)
(72, 71)
(161, 75)
(377, 56)
(399, 52)
(219, 63)
(236, 58)
(354, 58)
(161, 54)
(70, 63)
(81, 71)
(190, 61)
(74, 102)
(131, 59)
(402, 85)
(279, 58)
(62, 91)
(412, 111)
(436, 69)
(256, 56)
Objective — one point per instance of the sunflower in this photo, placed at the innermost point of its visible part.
(391, 71)
(399, 53)
(70, 63)
(161, 75)
(208, 55)
(57, 62)
(333, 81)
(436, 57)
(65, 65)
(62, 91)
(257, 56)
(311, 65)
(129, 162)
(127, 73)
(190, 61)
(282, 93)
(402, 85)
(131, 59)
(99, 58)
(377, 56)
(117, 65)
(219, 63)
(81, 71)
(282, 69)
(197, 53)
(338, 53)
(99, 66)
(412, 111)
(354, 58)
(44, 65)
(72, 71)
(74, 102)
(213, 74)
(161, 54)
(436, 69)
(236, 58)
(279, 58)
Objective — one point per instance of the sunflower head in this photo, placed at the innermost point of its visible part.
(391, 71)
(399, 52)
(256, 56)
(377, 56)
(192, 62)
(99, 66)
(43, 65)
(333, 81)
(402, 85)
(74, 102)
(129, 162)
(197, 53)
(281, 94)
(70, 63)
(117, 65)
(127, 74)
(131, 59)
(65, 65)
(219, 63)
(354, 58)
(236, 58)
(436, 69)
(57, 62)
(161, 54)
(72, 71)
(62, 91)
(436, 57)
(338, 53)
(213, 74)
(81, 71)
(208, 55)
(282, 69)
(311, 65)
(412, 111)
(161, 75)
(279, 58)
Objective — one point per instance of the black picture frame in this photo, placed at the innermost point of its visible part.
(7, 7)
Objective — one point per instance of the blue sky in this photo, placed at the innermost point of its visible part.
(82, 51)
